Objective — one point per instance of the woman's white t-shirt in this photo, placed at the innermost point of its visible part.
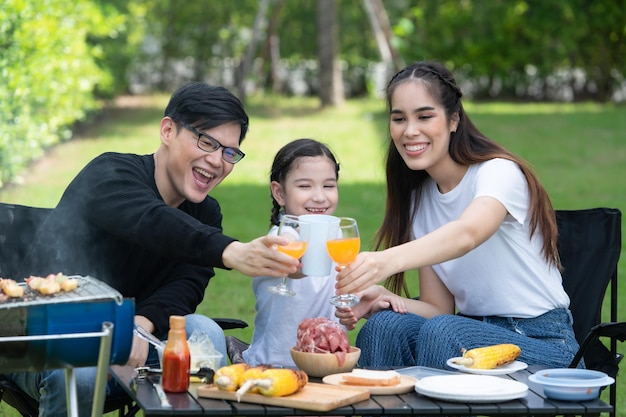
(507, 275)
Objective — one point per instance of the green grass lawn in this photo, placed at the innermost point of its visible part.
(579, 152)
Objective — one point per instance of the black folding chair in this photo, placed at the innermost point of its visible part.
(589, 245)
(18, 225)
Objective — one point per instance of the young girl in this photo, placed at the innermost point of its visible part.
(479, 227)
(303, 181)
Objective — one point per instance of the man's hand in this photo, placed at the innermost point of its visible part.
(138, 353)
(260, 258)
(139, 349)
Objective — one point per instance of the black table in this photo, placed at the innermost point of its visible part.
(187, 404)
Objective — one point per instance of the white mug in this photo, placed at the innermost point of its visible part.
(315, 261)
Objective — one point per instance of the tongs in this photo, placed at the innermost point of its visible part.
(205, 374)
(149, 337)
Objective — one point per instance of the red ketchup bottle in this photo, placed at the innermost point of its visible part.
(176, 358)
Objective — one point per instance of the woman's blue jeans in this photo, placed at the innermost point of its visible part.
(389, 339)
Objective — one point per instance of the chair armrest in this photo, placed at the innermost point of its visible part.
(228, 323)
(616, 330)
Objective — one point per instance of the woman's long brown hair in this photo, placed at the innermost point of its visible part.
(467, 146)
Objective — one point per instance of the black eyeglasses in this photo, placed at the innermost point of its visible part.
(210, 144)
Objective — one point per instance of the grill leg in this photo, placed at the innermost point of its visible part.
(101, 377)
(70, 392)
(104, 356)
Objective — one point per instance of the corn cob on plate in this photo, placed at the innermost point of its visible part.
(489, 360)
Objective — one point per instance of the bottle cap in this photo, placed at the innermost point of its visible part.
(177, 322)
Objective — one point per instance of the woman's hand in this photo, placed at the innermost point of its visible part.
(368, 269)
(373, 300)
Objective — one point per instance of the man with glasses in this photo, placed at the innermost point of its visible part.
(146, 225)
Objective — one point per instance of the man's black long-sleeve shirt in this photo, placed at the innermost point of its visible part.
(111, 223)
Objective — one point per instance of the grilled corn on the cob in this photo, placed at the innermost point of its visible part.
(228, 378)
(253, 374)
(489, 357)
(275, 382)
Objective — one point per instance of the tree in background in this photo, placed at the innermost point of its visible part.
(537, 49)
(197, 40)
(331, 83)
(270, 56)
(258, 31)
(384, 37)
(600, 47)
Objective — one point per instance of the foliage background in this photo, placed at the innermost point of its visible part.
(60, 61)
(57, 60)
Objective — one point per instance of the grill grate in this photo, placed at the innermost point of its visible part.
(89, 289)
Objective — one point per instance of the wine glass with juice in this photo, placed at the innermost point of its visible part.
(289, 227)
(343, 249)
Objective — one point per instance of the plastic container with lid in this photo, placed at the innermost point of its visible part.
(570, 384)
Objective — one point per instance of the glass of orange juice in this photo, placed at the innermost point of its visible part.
(290, 228)
(343, 249)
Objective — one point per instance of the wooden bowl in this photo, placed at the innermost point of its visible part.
(322, 364)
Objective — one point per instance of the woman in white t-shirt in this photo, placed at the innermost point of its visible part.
(477, 224)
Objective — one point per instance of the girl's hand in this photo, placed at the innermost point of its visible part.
(373, 300)
(347, 316)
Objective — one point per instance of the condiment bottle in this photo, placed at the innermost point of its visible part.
(176, 358)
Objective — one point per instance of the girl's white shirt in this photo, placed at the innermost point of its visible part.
(507, 275)
(277, 317)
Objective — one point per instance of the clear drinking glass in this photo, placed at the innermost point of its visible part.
(343, 249)
(290, 228)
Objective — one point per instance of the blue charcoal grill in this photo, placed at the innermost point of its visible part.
(89, 326)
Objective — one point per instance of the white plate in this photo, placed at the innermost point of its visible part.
(506, 369)
(471, 388)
